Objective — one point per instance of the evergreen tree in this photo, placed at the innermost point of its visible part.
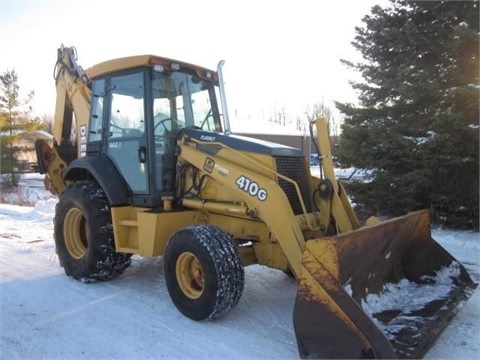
(14, 119)
(417, 123)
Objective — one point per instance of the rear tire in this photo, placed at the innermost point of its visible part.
(203, 272)
(83, 234)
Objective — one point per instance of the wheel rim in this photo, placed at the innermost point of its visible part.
(190, 275)
(75, 233)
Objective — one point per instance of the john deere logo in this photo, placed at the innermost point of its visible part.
(209, 165)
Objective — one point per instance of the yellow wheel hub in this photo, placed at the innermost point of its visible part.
(75, 233)
(189, 274)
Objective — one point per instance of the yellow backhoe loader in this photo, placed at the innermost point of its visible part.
(144, 162)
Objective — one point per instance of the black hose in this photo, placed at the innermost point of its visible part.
(315, 144)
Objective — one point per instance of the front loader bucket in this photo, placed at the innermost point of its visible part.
(385, 291)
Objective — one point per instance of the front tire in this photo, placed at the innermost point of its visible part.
(83, 234)
(203, 272)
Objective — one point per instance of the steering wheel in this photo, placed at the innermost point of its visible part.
(162, 122)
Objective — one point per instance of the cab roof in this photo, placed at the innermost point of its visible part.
(130, 62)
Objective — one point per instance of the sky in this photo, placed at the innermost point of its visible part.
(279, 56)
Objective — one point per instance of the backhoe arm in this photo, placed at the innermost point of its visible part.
(70, 120)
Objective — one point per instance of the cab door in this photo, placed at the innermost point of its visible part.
(126, 131)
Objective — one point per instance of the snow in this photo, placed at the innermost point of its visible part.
(393, 298)
(47, 315)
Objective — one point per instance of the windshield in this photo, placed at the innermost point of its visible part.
(183, 100)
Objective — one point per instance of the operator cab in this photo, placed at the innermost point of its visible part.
(135, 118)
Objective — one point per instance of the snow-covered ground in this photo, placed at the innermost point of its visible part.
(47, 315)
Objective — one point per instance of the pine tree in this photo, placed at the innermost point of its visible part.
(14, 119)
(417, 126)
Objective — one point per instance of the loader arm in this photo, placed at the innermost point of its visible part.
(334, 202)
(70, 120)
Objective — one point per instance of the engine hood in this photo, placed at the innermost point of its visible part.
(243, 143)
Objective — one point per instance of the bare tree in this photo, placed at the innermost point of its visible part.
(47, 120)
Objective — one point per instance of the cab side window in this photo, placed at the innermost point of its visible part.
(127, 118)
(96, 115)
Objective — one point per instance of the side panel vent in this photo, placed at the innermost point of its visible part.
(294, 168)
